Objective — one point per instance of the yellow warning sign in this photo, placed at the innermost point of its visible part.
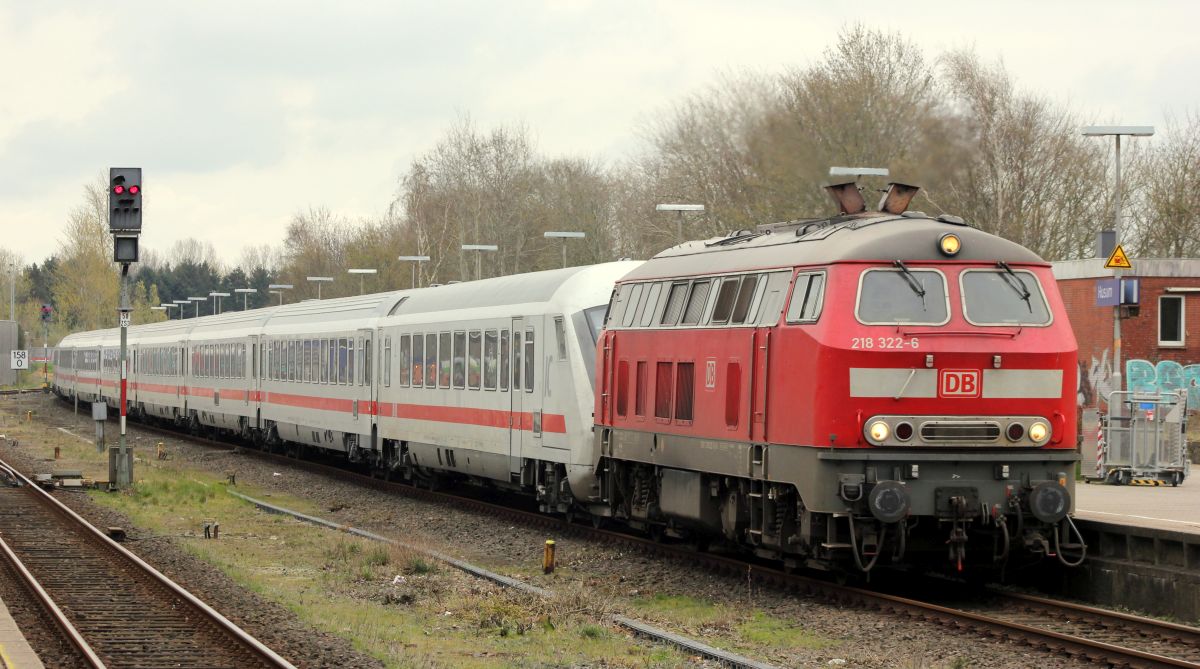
(1118, 259)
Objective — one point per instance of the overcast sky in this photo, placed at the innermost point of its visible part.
(242, 113)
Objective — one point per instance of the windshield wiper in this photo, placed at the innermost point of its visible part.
(912, 281)
(1010, 277)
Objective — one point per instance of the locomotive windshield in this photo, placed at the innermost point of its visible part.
(903, 295)
(1003, 297)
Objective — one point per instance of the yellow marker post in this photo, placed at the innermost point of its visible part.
(548, 557)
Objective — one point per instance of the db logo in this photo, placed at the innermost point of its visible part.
(958, 383)
(710, 374)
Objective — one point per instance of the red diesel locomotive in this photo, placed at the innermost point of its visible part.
(833, 392)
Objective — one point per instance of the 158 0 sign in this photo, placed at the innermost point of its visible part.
(19, 360)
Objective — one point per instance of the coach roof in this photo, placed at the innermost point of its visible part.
(910, 237)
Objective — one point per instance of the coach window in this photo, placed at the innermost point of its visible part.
(806, 298)
(504, 351)
(560, 337)
(1170, 320)
(354, 358)
(337, 375)
(460, 360)
(387, 361)
(418, 360)
(674, 304)
(516, 367)
(530, 361)
(647, 315)
(490, 359)
(474, 359)
(431, 360)
(367, 361)
(445, 359)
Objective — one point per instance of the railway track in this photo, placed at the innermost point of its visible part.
(117, 610)
(1094, 635)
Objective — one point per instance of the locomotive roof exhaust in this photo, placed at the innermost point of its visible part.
(850, 200)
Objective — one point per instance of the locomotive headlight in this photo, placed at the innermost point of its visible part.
(950, 244)
(1039, 432)
(879, 431)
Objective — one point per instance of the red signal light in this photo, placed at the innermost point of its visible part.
(118, 189)
(133, 190)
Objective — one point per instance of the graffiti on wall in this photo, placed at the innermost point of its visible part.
(1096, 380)
(1166, 376)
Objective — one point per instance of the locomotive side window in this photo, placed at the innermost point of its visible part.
(767, 304)
(631, 305)
(504, 360)
(491, 361)
(726, 295)
(663, 379)
(639, 398)
(747, 290)
(895, 296)
(474, 359)
(530, 360)
(697, 298)
(647, 315)
(1001, 297)
(807, 298)
(622, 387)
(685, 379)
(674, 304)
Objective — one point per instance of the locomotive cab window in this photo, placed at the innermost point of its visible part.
(902, 295)
(807, 298)
(1003, 297)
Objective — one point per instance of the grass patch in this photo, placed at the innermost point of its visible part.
(686, 610)
(765, 630)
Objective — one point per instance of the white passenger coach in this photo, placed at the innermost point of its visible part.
(488, 379)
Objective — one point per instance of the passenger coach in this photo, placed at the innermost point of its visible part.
(488, 380)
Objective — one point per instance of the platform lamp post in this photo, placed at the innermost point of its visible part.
(125, 225)
(198, 300)
(416, 261)
(181, 304)
(167, 307)
(479, 249)
(245, 295)
(217, 299)
(1117, 131)
(564, 236)
(278, 288)
(361, 273)
(679, 208)
(320, 280)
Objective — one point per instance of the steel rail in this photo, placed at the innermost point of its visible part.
(838, 594)
(47, 602)
(256, 647)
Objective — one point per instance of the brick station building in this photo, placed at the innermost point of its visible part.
(1160, 339)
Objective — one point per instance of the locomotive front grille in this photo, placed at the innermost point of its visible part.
(960, 431)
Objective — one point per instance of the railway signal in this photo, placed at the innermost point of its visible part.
(125, 225)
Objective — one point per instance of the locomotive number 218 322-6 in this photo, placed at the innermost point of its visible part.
(883, 342)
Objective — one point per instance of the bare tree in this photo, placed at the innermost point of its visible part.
(1166, 193)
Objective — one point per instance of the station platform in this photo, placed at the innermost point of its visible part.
(15, 651)
(1158, 507)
